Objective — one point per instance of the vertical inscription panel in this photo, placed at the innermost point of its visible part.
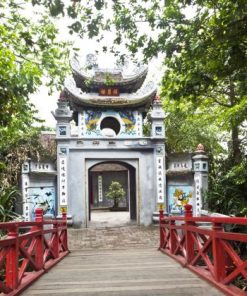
(100, 193)
(63, 192)
(160, 179)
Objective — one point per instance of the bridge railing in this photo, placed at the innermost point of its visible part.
(209, 247)
(28, 249)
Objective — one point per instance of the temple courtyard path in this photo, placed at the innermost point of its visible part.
(119, 261)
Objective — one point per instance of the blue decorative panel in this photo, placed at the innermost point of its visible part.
(130, 123)
(43, 197)
(92, 118)
(178, 196)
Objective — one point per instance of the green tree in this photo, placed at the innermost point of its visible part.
(204, 82)
(30, 53)
(115, 192)
(204, 43)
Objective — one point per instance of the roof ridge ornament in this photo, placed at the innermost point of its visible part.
(91, 68)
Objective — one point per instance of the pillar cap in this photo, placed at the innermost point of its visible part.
(200, 148)
(63, 96)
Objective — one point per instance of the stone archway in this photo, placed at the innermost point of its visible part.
(101, 174)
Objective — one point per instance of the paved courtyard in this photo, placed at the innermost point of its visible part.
(109, 219)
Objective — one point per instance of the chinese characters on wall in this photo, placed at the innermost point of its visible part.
(25, 190)
(180, 165)
(63, 181)
(100, 193)
(108, 91)
(139, 124)
(198, 189)
(81, 124)
(160, 178)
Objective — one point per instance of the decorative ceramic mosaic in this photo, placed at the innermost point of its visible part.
(43, 197)
(178, 197)
(92, 119)
(130, 123)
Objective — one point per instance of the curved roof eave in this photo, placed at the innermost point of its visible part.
(134, 81)
(137, 99)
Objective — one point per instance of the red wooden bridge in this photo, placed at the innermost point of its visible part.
(205, 245)
(29, 250)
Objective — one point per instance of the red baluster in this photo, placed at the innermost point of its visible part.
(161, 216)
(173, 241)
(40, 239)
(65, 237)
(12, 259)
(55, 240)
(218, 254)
(189, 244)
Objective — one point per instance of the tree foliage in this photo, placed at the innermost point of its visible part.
(204, 81)
(29, 54)
(115, 192)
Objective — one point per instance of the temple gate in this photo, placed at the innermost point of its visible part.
(101, 136)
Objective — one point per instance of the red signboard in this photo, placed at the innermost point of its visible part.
(109, 91)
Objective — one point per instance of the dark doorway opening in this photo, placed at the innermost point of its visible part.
(100, 177)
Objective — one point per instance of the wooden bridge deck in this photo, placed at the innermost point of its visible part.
(120, 272)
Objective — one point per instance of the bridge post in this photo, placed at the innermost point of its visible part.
(189, 244)
(40, 239)
(65, 237)
(12, 259)
(161, 231)
(218, 253)
(172, 236)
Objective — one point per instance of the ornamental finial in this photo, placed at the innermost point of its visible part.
(156, 99)
(200, 148)
(63, 96)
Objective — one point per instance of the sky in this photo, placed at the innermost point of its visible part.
(46, 103)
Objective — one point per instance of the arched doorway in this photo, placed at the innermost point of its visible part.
(100, 177)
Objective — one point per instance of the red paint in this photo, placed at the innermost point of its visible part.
(206, 251)
(37, 245)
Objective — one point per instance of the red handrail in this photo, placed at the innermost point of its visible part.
(207, 249)
(30, 249)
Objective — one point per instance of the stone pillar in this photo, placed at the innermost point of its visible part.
(157, 120)
(158, 139)
(200, 168)
(63, 115)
